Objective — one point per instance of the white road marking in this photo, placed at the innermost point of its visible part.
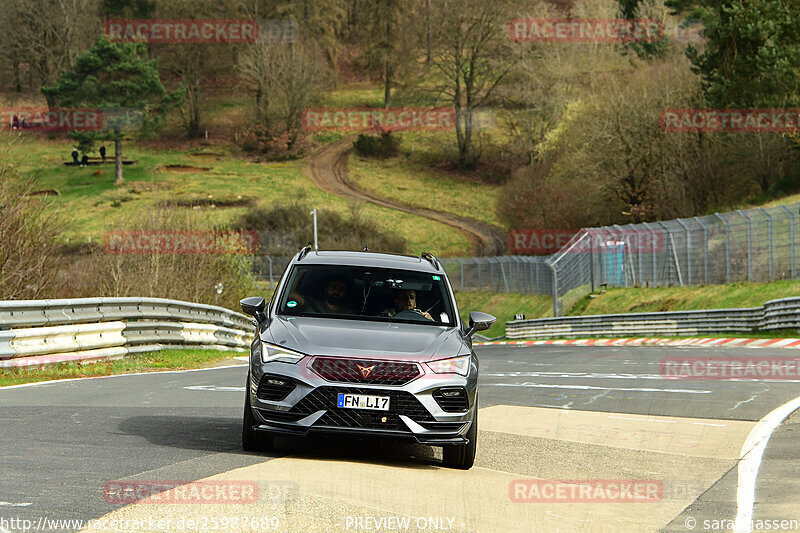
(752, 452)
(753, 397)
(589, 387)
(119, 376)
(9, 504)
(588, 375)
(582, 520)
(643, 419)
(215, 388)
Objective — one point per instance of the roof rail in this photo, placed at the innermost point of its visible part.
(431, 259)
(304, 252)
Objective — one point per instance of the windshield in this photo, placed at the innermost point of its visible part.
(379, 294)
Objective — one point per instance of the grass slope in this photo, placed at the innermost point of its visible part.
(399, 180)
(641, 300)
(90, 203)
(144, 362)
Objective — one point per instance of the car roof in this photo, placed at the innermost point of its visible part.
(367, 259)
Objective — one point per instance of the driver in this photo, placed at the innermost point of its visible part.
(333, 301)
(405, 300)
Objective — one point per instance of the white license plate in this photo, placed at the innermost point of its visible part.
(362, 401)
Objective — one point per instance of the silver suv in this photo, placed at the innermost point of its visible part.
(364, 343)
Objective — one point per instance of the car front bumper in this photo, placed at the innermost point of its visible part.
(414, 413)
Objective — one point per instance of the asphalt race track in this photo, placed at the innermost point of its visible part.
(602, 416)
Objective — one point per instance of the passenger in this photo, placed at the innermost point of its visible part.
(333, 301)
(405, 300)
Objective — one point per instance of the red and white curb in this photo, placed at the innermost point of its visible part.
(648, 341)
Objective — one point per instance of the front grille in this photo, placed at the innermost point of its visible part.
(452, 399)
(274, 388)
(365, 371)
(400, 403)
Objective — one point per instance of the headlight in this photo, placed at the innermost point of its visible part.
(271, 353)
(454, 365)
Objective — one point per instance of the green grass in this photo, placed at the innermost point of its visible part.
(90, 204)
(503, 306)
(395, 178)
(145, 362)
(642, 300)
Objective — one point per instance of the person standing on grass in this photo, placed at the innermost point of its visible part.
(75, 157)
(103, 153)
(84, 160)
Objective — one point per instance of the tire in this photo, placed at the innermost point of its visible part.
(462, 456)
(252, 440)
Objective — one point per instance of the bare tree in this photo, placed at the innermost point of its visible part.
(287, 79)
(49, 35)
(472, 55)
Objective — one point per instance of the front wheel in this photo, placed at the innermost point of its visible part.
(462, 456)
(252, 440)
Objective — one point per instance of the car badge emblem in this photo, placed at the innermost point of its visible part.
(365, 370)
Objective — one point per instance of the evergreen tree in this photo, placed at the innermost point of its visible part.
(121, 80)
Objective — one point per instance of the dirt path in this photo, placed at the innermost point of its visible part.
(327, 167)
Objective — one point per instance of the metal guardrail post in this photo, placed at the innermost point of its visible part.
(688, 250)
(791, 232)
(271, 283)
(727, 247)
(749, 244)
(554, 289)
(503, 271)
(480, 285)
(461, 263)
(771, 264)
(655, 237)
(591, 259)
(705, 240)
(674, 253)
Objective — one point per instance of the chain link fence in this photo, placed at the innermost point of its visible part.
(755, 245)
(510, 273)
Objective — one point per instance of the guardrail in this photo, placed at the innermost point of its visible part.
(775, 314)
(99, 328)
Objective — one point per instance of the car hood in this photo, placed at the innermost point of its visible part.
(356, 338)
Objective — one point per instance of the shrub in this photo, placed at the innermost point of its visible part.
(29, 258)
(283, 229)
(370, 146)
(93, 271)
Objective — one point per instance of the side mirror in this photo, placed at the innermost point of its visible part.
(254, 306)
(479, 322)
